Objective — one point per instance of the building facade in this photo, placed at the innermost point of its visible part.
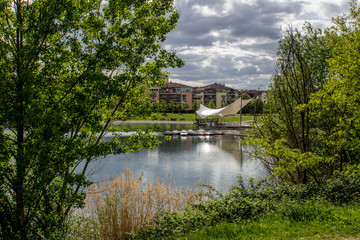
(220, 94)
(173, 92)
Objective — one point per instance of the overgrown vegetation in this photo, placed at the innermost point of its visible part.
(247, 206)
(310, 128)
(67, 70)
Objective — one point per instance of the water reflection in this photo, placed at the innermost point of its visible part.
(218, 159)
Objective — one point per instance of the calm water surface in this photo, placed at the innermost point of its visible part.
(218, 159)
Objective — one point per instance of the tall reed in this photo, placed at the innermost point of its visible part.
(124, 204)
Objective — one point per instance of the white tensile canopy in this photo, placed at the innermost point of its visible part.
(230, 110)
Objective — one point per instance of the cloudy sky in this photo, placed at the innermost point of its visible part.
(234, 41)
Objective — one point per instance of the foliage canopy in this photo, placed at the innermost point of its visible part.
(68, 68)
(311, 126)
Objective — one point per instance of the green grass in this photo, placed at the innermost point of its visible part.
(343, 222)
(191, 117)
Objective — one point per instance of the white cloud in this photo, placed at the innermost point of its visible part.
(205, 11)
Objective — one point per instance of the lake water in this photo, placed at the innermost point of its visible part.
(218, 159)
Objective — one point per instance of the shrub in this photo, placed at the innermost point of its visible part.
(343, 188)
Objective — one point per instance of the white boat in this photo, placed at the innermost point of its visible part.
(175, 132)
(209, 133)
(190, 132)
(168, 133)
(183, 133)
(200, 132)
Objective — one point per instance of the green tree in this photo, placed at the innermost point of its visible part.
(179, 106)
(63, 64)
(155, 106)
(186, 106)
(195, 105)
(256, 106)
(245, 96)
(162, 106)
(172, 106)
(212, 104)
(336, 107)
(287, 144)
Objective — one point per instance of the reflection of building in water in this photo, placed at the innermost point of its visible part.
(234, 147)
(187, 141)
(204, 144)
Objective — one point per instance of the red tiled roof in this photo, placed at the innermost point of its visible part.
(254, 93)
(217, 86)
(175, 85)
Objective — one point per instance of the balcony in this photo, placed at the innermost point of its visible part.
(169, 97)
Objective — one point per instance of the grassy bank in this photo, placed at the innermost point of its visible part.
(339, 222)
(192, 116)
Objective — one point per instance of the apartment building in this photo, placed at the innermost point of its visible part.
(218, 93)
(176, 92)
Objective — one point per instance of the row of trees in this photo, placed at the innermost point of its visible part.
(311, 129)
(67, 69)
(163, 106)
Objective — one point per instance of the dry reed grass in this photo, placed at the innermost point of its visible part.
(123, 205)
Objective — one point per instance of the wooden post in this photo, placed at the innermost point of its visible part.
(240, 111)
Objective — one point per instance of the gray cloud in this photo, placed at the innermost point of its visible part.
(333, 9)
(243, 20)
(236, 45)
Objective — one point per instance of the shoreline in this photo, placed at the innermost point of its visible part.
(117, 122)
(153, 122)
(235, 132)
